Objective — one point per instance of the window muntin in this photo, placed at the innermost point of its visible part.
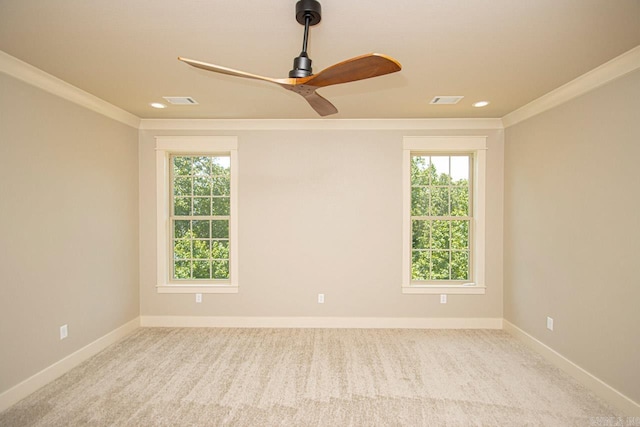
(200, 215)
(441, 217)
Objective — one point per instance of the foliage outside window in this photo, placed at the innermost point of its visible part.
(200, 217)
(440, 217)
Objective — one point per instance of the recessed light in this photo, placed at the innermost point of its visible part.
(157, 105)
(481, 104)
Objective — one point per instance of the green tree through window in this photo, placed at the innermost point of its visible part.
(200, 215)
(440, 217)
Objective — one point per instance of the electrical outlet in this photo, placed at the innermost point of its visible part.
(198, 298)
(64, 331)
(549, 323)
(320, 298)
(443, 298)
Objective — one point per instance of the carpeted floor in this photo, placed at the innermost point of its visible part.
(312, 377)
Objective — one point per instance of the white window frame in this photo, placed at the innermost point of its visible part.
(477, 145)
(189, 146)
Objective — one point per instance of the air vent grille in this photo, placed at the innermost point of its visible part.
(180, 100)
(446, 100)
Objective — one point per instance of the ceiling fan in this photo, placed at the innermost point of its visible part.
(301, 79)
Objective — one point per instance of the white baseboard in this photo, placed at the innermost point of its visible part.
(599, 387)
(50, 373)
(321, 322)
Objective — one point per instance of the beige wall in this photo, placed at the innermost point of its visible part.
(68, 227)
(320, 211)
(572, 230)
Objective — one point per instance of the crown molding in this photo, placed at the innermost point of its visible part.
(611, 70)
(31, 75)
(319, 124)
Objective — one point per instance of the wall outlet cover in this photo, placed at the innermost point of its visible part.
(64, 331)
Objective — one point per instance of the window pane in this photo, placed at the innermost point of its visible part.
(201, 249)
(202, 206)
(220, 206)
(201, 229)
(182, 270)
(440, 234)
(220, 249)
(421, 170)
(221, 185)
(460, 201)
(182, 186)
(460, 170)
(460, 234)
(440, 265)
(420, 201)
(182, 206)
(180, 229)
(420, 269)
(441, 164)
(202, 186)
(460, 265)
(182, 165)
(220, 229)
(421, 234)
(440, 201)
(221, 165)
(182, 249)
(202, 166)
(201, 269)
(220, 269)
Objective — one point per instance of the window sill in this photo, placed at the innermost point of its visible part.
(197, 289)
(444, 289)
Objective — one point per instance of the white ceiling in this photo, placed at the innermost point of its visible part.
(508, 52)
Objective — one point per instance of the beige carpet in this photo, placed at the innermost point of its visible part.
(311, 377)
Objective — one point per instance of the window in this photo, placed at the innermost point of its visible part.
(199, 218)
(443, 232)
(440, 217)
(197, 214)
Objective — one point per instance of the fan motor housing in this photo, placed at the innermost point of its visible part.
(309, 8)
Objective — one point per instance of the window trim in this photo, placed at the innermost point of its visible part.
(190, 145)
(477, 145)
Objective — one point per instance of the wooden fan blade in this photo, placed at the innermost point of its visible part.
(317, 102)
(358, 68)
(231, 71)
(320, 104)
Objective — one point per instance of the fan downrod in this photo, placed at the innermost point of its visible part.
(308, 13)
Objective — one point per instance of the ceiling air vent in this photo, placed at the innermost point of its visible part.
(180, 100)
(446, 100)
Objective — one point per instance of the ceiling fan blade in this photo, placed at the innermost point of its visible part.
(230, 71)
(320, 104)
(358, 68)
